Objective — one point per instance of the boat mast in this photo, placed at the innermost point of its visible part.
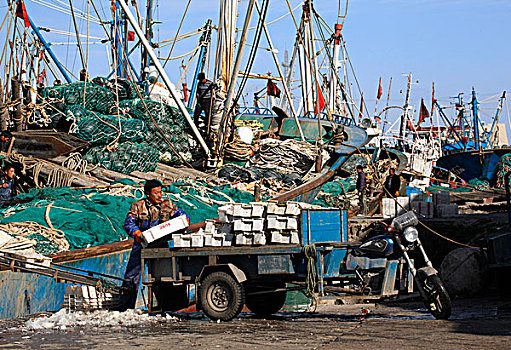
(475, 114)
(204, 43)
(336, 66)
(146, 61)
(405, 116)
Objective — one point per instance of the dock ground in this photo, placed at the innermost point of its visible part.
(474, 324)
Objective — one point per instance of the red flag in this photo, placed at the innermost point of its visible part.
(321, 101)
(131, 36)
(380, 90)
(433, 99)
(21, 12)
(272, 89)
(423, 114)
(361, 111)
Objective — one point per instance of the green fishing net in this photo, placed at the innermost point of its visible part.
(89, 95)
(503, 168)
(142, 124)
(104, 129)
(93, 217)
(125, 158)
(333, 193)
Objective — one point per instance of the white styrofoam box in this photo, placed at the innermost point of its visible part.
(208, 240)
(441, 198)
(182, 240)
(164, 229)
(402, 205)
(422, 208)
(245, 239)
(279, 237)
(257, 225)
(292, 208)
(242, 225)
(275, 208)
(225, 213)
(210, 227)
(388, 209)
(295, 237)
(446, 210)
(259, 239)
(217, 240)
(197, 240)
(292, 224)
(242, 210)
(226, 228)
(276, 222)
(257, 209)
(227, 240)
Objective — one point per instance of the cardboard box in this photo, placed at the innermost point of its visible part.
(446, 210)
(388, 207)
(423, 209)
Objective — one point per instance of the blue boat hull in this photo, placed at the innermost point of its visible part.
(28, 293)
(474, 164)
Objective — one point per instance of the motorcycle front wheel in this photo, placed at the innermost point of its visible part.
(437, 299)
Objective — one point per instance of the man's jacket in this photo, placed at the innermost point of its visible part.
(143, 215)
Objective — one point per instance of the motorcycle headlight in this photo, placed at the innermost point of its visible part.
(411, 234)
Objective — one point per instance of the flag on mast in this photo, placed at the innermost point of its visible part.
(361, 110)
(21, 12)
(380, 90)
(423, 114)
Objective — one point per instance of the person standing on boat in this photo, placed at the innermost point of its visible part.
(144, 214)
(6, 184)
(392, 183)
(204, 104)
(361, 189)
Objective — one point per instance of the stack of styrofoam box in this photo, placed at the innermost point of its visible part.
(88, 298)
(248, 223)
(282, 222)
(446, 210)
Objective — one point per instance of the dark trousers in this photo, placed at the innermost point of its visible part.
(362, 202)
(133, 273)
(202, 122)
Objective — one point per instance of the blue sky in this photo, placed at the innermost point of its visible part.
(455, 43)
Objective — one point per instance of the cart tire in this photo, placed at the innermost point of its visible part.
(221, 296)
(266, 304)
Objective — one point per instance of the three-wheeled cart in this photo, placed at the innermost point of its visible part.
(221, 280)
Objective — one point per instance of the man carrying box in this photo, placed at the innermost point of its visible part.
(144, 214)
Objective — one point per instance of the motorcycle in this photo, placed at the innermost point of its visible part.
(377, 258)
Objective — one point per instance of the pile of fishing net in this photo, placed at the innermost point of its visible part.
(289, 156)
(236, 173)
(90, 217)
(117, 112)
(101, 129)
(125, 158)
(334, 193)
(503, 168)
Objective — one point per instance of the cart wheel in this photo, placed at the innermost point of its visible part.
(222, 297)
(266, 304)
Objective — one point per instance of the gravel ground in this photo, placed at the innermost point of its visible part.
(475, 323)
